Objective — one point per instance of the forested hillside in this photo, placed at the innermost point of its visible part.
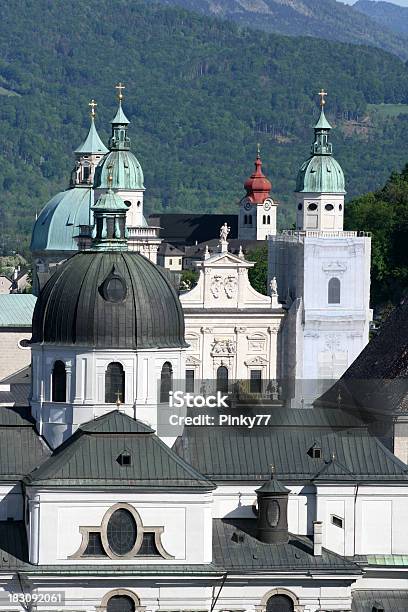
(200, 94)
(329, 19)
(384, 213)
(386, 14)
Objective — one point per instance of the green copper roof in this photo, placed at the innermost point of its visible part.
(90, 458)
(124, 168)
(323, 124)
(321, 173)
(59, 221)
(16, 309)
(93, 143)
(120, 117)
(110, 202)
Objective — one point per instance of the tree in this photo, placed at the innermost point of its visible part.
(258, 275)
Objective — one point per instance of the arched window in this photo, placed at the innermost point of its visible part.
(222, 379)
(120, 603)
(114, 383)
(166, 381)
(268, 219)
(249, 219)
(333, 291)
(86, 171)
(59, 382)
(264, 219)
(279, 603)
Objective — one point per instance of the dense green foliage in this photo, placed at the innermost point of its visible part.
(328, 19)
(386, 14)
(258, 275)
(384, 213)
(200, 94)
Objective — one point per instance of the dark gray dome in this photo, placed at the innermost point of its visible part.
(109, 300)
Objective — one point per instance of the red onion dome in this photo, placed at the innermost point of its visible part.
(257, 186)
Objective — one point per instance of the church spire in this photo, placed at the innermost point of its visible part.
(119, 139)
(257, 186)
(321, 145)
(92, 144)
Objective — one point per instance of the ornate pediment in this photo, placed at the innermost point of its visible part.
(258, 360)
(192, 361)
(334, 267)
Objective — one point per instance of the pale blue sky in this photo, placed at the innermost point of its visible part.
(400, 2)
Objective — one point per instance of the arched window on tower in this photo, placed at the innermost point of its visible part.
(249, 219)
(333, 291)
(279, 603)
(222, 379)
(166, 381)
(86, 172)
(264, 219)
(114, 383)
(59, 382)
(120, 603)
(268, 219)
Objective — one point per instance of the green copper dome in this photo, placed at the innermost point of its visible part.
(58, 223)
(321, 173)
(123, 167)
(120, 163)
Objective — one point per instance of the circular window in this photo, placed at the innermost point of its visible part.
(24, 343)
(329, 207)
(300, 206)
(312, 207)
(121, 532)
(113, 288)
(128, 203)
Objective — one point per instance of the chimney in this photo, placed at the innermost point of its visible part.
(272, 526)
(317, 538)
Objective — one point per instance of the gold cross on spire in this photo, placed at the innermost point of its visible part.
(93, 105)
(322, 95)
(120, 87)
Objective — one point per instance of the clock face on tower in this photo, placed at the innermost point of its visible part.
(247, 206)
(267, 205)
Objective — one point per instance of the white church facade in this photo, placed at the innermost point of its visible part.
(231, 329)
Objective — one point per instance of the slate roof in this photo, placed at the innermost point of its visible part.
(73, 308)
(236, 548)
(169, 250)
(184, 229)
(89, 458)
(376, 383)
(21, 448)
(349, 452)
(16, 309)
(19, 384)
(388, 600)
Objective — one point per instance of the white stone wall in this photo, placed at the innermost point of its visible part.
(56, 518)
(330, 335)
(85, 370)
(13, 356)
